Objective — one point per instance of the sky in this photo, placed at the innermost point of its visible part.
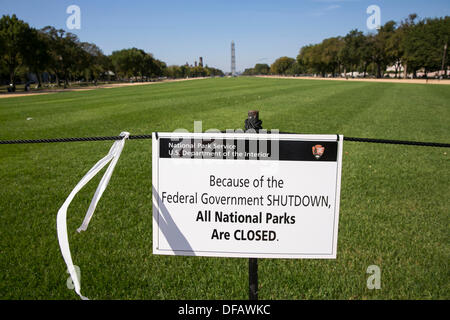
(180, 31)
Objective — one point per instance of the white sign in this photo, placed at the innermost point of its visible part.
(246, 195)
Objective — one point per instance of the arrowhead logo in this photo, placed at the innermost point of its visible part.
(318, 151)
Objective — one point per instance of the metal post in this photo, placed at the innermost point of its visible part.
(253, 122)
(253, 279)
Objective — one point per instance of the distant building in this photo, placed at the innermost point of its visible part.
(201, 62)
(396, 67)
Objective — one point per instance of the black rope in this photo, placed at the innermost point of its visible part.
(249, 125)
(143, 136)
(403, 142)
(60, 140)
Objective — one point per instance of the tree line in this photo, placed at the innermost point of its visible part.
(408, 47)
(63, 58)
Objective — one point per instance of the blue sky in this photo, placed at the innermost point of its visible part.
(178, 31)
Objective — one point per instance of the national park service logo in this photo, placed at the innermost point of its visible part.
(318, 151)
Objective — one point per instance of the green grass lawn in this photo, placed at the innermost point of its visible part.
(395, 200)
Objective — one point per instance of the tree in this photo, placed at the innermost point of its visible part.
(66, 54)
(258, 69)
(160, 68)
(381, 41)
(294, 69)
(305, 58)
(395, 49)
(174, 72)
(136, 62)
(149, 68)
(127, 62)
(311, 59)
(262, 69)
(13, 34)
(37, 56)
(330, 55)
(62, 55)
(96, 63)
(281, 65)
(214, 71)
(401, 35)
(351, 52)
(249, 72)
(366, 51)
(425, 42)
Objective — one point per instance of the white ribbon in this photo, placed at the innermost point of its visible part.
(61, 219)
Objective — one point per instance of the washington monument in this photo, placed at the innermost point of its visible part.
(233, 59)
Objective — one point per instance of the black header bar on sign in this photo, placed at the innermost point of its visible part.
(248, 149)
